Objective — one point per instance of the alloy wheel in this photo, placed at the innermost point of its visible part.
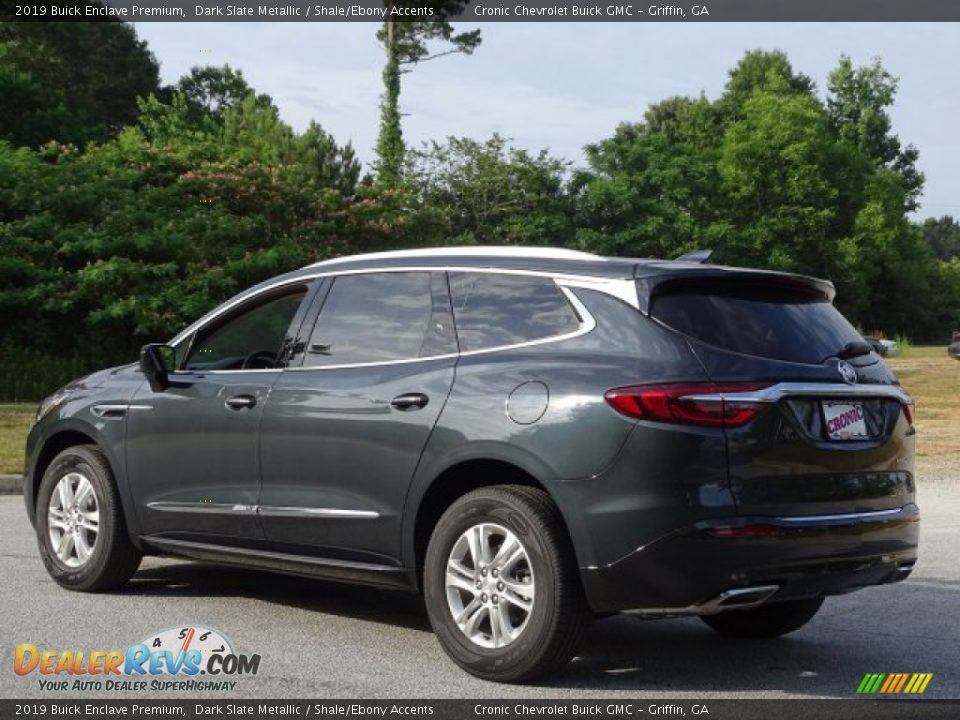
(490, 585)
(73, 519)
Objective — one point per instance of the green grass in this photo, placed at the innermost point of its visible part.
(905, 348)
(15, 422)
(933, 379)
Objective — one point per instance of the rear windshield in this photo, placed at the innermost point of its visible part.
(770, 322)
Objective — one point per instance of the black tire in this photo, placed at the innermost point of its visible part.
(559, 614)
(766, 621)
(113, 559)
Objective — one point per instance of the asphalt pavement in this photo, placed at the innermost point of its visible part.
(323, 640)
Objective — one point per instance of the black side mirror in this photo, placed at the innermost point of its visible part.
(157, 362)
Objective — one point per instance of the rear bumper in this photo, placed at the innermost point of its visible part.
(692, 570)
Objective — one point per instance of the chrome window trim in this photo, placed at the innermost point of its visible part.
(622, 289)
(774, 393)
(383, 363)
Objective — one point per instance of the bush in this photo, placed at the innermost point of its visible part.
(27, 376)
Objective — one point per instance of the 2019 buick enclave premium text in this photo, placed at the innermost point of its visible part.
(530, 437)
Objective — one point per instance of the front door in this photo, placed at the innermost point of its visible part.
(192, 453)
(341, 435)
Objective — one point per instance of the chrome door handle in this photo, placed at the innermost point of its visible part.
(241, 402)
(410, 401)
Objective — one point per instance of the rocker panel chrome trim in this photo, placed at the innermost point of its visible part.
(306, 512)
(267, 510)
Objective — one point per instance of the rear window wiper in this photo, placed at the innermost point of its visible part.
(855, 349)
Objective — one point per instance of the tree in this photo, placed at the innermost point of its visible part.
(406, 43)
(768, 175)
(858, 101)
(249, 129)
(211, 91)
(493, 194)
(653, 189)
(942, 235)
(128, 240)
(72, 82)
(762, 71)
(787, 185)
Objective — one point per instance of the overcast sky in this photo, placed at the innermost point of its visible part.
(562, 85)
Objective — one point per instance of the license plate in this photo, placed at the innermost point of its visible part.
(844, 420)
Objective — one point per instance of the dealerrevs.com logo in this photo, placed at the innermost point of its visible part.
(189, 659)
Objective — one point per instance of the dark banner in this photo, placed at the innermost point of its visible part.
(490, 708)
(490, 11)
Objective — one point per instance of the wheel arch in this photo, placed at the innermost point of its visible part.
(454, 481)
(51, 447)
(65, 437)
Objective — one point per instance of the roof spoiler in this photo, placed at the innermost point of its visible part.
(655, 278)
(697, 256)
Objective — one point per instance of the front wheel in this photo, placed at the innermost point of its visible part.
(80, 526)
(766, 621)
(501, 585)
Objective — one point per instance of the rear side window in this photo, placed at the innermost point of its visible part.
(494, 310)
(769, 322)
(382, 317)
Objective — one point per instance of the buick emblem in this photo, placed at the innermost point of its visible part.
(847, 372)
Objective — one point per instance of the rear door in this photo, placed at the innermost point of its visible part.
(836, 436)
(342, 434)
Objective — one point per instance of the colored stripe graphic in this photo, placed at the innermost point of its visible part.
(894, 683)
(903, 680)
(891, 683)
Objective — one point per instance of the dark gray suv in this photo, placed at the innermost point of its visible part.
(530, 437)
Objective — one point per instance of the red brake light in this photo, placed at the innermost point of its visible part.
(687, 403)
(908, 413)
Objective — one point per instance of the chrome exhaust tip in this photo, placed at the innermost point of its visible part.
(739, 598)
(732, 599)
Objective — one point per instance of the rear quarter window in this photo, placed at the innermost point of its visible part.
(493, 310)
(769, 322)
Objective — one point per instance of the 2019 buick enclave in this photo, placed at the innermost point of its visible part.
(530, 437)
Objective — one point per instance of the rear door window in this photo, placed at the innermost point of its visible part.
(770, 322)
(494, 310)
(382, 317)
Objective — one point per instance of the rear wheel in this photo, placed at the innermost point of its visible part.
(766, 621)
(80, 526)
(501, 585)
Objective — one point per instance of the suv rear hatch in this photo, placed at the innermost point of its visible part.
(835, 433)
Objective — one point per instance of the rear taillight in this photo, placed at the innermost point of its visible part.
(908, 413)
(702, 404)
